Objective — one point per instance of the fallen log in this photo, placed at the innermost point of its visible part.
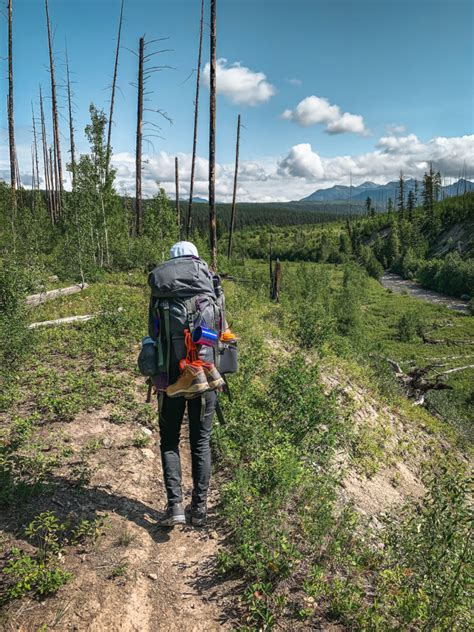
(444, 341)
(66, 320)
(42, 297)
(62, 321)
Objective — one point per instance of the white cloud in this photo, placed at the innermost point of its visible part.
(299, 173)
(315, 110)
(395, 129)
(295, 82)
(302, 162)
(239, 84)
(392, 155)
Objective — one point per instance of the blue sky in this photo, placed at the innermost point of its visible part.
(389, 76)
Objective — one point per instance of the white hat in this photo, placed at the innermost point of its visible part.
(183, 249)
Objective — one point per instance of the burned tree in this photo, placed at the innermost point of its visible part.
(234, 195)
(176, 178)
(212, 141)
(144, 73)
(47, 174)
(11, 125)
(276, 282)
(36, 184)
(139, 142)
(196, 116)
(71, 123)
(58, 170)
(114, 85)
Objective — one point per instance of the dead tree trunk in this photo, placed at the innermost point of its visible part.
(234, 195)
(276, 282)
(47, 174)
(71, 123)
(196, 116)
(138, 187)
(176, 178)
(36, 185)
(11, 109)
(112, 96)
(212, 141)
(58, 171)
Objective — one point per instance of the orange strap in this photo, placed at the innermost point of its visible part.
(191, 349)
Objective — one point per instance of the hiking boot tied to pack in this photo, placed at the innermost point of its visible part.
(197, 376)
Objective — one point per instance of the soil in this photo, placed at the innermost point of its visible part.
(136, 576)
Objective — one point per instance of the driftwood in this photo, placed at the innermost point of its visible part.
(417, 381)
(62, 321)
(42, 297)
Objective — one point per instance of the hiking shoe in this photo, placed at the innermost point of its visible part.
(197, 517)
(214, 378)
(192, 382)
(173, 515)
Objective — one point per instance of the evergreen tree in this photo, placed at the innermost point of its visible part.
(401, 194)
(415, 193)
(368, 206)
(410, 204)
(428, 192)
(392, 253)
(390, 206)
(436, 186)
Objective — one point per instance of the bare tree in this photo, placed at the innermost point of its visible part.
(234, 195)
(36, 184)
(47, 174)
(71, 123)
(11, 125)
(138, 161)
(276, 282)
(196, 116)
(212, 141)
(58, 169)
(114, 85)
(176, 176)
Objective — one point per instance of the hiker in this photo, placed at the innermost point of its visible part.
(186, 322)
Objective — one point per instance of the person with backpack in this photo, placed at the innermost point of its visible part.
(181, 355)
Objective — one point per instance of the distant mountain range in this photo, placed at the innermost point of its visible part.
(379, 193)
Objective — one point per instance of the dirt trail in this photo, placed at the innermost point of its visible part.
(137, 577)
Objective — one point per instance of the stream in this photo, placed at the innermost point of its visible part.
(400, 285)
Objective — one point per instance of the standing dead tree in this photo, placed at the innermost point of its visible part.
(139, 142)
(196, 117)
(58, 169)
(276, 282)
(11, 109)
(144, 73)
(36, 182)
(47, 174)
(71, 122)
(234, 195)
(112, 96)
(176, 178)
(212, 141)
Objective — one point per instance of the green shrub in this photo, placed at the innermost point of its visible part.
(409, 326)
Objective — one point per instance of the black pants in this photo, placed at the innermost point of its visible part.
(200, 412)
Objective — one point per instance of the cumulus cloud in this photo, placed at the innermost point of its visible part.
(392, 155)
(316, 110)
(301, 162)
(239, 84)
(293, 176)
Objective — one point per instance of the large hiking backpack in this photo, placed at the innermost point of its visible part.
(184, 295)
